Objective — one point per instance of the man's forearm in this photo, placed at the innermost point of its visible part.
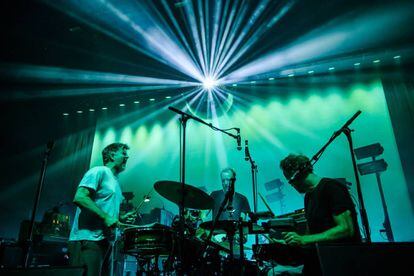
(335, 233)
(87, 203)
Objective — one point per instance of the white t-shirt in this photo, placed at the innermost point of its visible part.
(108, 197)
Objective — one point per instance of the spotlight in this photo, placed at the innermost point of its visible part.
(291, 75)
(152, 99)
(311, 72)
(271, 78)
(79, 111)
(121, 104)
(209, 83)
(136, 102)
(357, 64)
(65, 114)
(168, 97)
(234, 84)
(331, 68)
(397, 57)
(253, 82)
(104, 108)
(377, 61)
(91, 110)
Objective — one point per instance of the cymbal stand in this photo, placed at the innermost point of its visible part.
(241, 237)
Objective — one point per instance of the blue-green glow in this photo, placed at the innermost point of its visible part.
(274, 127)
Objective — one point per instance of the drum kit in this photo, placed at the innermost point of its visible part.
(194, 254)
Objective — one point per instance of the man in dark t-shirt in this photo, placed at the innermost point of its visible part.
(328, 199)
(238, 208)
(240, 204)
(329, 210)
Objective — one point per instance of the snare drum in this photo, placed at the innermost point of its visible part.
(148, 241)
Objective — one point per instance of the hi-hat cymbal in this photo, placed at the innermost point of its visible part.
(194, 197)
(236, 246)
(224, 226)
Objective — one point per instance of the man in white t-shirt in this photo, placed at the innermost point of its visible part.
(98, 198)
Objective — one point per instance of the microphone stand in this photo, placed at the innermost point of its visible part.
(347, 131)
(254, 171)
(29, 241)
(183, 121)
(216, 219)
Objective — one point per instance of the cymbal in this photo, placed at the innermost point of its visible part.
(224, 226)
(194, 197)
(236, 246)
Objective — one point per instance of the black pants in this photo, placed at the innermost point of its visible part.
(95, 255)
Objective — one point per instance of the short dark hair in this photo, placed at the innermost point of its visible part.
(228, 169)
(294, 164)
(114, 147)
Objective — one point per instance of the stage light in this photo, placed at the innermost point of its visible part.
(253, 82)
(104, 108)
(91, 110)
(209, 83)
(79, 111)
(310, 72)
(331, 68)
(152, 99)
(136, 102)
(291, 75)
(122, 105)
(271, 78)
(397, 57)
(65, 114)
(234, 84)
(168, 97)
(377, 61)
(357, 64)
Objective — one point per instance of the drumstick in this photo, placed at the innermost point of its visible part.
(267, 205)
(128, 225)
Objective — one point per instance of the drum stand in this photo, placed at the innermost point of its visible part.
(146, 266)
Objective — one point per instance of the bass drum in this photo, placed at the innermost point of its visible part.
(199, 259)
(148, 241)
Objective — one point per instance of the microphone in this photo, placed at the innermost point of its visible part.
(49, 147)
(238, 139)
(246, 150)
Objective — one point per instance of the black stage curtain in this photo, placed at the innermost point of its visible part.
(21, 155)
(399, 93)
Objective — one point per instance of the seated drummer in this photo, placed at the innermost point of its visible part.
(329, 210)
(239, 208)
(240, 205)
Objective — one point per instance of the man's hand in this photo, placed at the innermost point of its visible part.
(129, 217)
(293, 238)
(110, 221)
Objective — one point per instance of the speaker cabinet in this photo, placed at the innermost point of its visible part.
(373, 259)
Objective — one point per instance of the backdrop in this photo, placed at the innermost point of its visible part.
(275, 123)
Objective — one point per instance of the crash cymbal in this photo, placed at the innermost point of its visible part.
(194, 197)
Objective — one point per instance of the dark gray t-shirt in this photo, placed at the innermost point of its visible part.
(240, 205)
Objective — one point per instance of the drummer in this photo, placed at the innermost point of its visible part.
(238, 209)
(240, 205)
